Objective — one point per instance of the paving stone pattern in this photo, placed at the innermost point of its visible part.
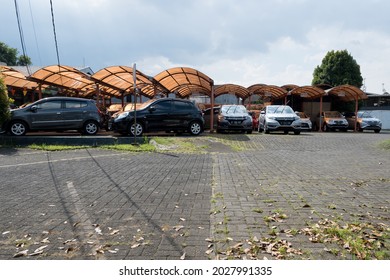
(100, 204)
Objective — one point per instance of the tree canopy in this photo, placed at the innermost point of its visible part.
(10, 56)
(338, 68)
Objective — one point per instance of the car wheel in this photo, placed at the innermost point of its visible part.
(285, 132)
(18, 128)
(376, 130)
(90, 128)
(297, 132)
(195, 128)
(136, 129)
(249, 131)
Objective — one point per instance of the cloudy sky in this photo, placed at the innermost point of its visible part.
(244, 42)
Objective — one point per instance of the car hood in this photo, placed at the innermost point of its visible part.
(369, 119)
(290, 116)
(236, 115)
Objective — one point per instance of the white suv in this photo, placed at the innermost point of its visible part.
(279, 118)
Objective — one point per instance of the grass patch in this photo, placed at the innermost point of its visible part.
(385, 145)
(362, 241)
(46, 147)
(130, 147)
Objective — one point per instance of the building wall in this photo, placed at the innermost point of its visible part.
(383, 115)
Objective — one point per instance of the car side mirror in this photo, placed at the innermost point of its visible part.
(34, 108)
(152, 109)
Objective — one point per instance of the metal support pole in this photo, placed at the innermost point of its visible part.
(212, 108)
(356, 110)
(135, 102)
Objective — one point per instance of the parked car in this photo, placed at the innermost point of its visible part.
(306, 123)
(279, 118)
(365, 121)
(234, 118)
(206, 115)
(56, 114)
(166, 114)
(331, 120)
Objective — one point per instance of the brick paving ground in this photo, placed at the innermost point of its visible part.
(242, 190)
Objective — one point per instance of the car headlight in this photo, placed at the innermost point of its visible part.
(122, 116)
(345, 121)
(221, 118)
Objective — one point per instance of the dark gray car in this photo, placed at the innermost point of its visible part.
(58, 114)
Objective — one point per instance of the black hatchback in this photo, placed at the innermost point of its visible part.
(166, 114)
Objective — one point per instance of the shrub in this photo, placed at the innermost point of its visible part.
(4, 103)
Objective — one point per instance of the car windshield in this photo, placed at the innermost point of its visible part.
(234, 109)
(333, 114)
(279, 109)
(364, 115)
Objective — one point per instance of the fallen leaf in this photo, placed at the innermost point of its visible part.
(183, 256)
(21, 254)
(209, 240)
(208, 252)
(135, 245)
(46, 240)
(114, 232)
(98, 230)
(179, 227)
(6, 232)
(112, 251)
(182, 219)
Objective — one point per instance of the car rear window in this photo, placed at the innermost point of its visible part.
(75, 104)
(182, 106)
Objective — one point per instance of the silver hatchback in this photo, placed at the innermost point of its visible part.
(56, 114)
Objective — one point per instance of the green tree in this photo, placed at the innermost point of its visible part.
(24, 60)
(4, 103)
(338, 68)
(10, 56)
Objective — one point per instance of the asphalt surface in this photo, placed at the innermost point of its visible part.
(244, 196)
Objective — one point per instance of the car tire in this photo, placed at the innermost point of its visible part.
(249, 131)
(136, 129)
(195, 128)
(18, 128)
(297, 132)
(90, 128)
(376, 130)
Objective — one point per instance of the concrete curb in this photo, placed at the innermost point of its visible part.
(68, 140)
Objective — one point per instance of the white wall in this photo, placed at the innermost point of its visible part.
(383, 115)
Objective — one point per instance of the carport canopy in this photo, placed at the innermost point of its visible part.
(184, 81)
(237, 90)
(274, 92)
(14, 78)
(120, 78)
(65, 77)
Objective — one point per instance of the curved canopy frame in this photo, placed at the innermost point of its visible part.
(63, 76)
(237, 90)
(184, 81)
(311, 92)
(121, 79)
(14, 78)
(274, 92)
(347, 93)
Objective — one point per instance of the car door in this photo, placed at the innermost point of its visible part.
(73, 113)
(157, 115)
(181, 114)
(46, 115)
